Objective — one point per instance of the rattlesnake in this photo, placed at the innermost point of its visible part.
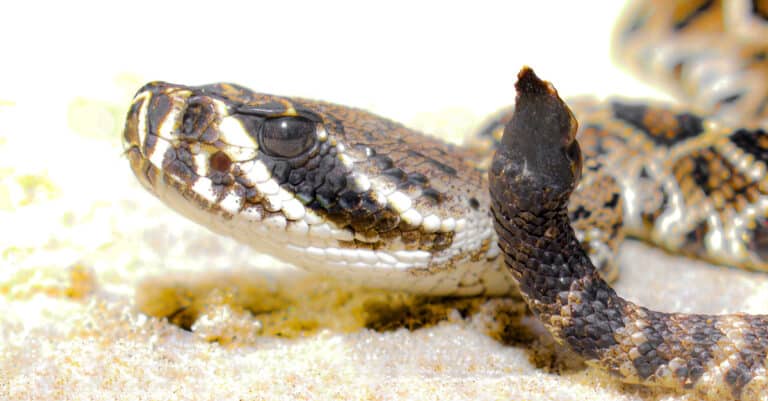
(351, 194)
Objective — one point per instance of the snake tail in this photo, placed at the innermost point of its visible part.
(532, 176)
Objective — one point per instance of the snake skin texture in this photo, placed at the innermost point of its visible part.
(532, 175)
(344, 192)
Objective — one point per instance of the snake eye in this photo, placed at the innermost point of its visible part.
(287, 136)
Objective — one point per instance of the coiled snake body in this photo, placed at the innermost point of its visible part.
(342, 191)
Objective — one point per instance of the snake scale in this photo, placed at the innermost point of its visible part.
(344, 192)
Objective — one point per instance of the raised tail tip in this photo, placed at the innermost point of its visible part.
(528, 83)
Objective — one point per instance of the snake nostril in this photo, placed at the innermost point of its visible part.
(198, 120)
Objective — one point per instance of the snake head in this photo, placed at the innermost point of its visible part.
(539, 157)
(322, 186)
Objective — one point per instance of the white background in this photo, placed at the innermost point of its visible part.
(397, 58)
